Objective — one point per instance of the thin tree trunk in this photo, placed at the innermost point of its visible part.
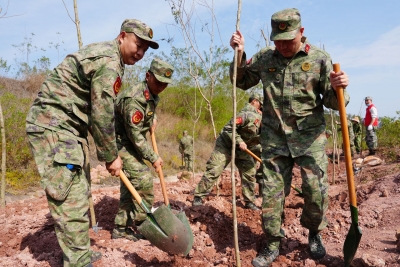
(233, 180)
(3, 160)
(77, 23)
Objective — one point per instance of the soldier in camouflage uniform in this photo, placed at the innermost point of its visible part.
(357, 133)
(135, 109)
(78, 96)
(298, 81)
(371, 124)
(351, 137)
(248, 124)
(186, 149)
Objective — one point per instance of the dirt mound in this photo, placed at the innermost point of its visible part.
(27, 236)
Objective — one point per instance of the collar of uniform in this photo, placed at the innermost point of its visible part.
(250, 107)
(119, 53)
(154, 98)
(305, 47)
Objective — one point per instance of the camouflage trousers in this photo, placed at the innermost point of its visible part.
(357, 142)
(52, 151)
(219, 159)
(276, 185)
(188, 159)
(371, 139)
(139, 175)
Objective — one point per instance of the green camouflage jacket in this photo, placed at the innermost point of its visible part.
(295, 91)
(134, 114)
(186, 145)
(248, 123)
(79, 93)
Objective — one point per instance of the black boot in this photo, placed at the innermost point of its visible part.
(317, 249)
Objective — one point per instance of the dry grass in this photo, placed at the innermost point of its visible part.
(25, 88)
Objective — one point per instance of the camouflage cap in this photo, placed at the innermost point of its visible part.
(285, 24)
(256, 96)
(141, 30)
(162, 70)
(368, 98)
(328, 132)
(355, 118)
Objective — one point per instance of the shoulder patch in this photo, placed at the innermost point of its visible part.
(239, 120)
(117, 85)
(146, 94)
(137, 117)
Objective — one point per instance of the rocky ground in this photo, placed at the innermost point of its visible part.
(27, 236)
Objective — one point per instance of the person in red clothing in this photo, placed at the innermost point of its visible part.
(371, 124)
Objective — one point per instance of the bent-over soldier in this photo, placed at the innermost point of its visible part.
(248, 122)
(135, 112)
(79, 93)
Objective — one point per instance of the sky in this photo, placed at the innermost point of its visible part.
(363, 36)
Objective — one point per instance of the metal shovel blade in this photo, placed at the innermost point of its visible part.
(169, 233)
(352, 239)
(182, 217)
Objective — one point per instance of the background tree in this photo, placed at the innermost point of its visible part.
(76, 22)
(201, 66)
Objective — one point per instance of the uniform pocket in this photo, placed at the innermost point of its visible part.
(60, 183)
(67, 163)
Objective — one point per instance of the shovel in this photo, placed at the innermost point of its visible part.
(86, 166)
(162, 228)
(354, 235)
(259, 160)
(179, 214)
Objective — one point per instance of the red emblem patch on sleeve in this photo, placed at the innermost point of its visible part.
(117, 85)
(239, 120)
(248, 62)
(137, 117)
(307, 48)
(146, 94)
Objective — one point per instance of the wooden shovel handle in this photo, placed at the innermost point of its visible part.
(253, 155)
(160, 172)
(130, 187)
(346, 142)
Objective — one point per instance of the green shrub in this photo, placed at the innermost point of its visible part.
(21, 169)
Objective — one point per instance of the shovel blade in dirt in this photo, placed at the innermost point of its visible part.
(162, 228)
(180, 215)
(354, 235)
(170, 234)
(352, 239)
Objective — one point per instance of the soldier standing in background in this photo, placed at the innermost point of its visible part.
(351, 137)
(357, 133)
(135, 109)
(298, 81)
(371, 124)
(248, 122)
(78, 94)
(186, 150)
